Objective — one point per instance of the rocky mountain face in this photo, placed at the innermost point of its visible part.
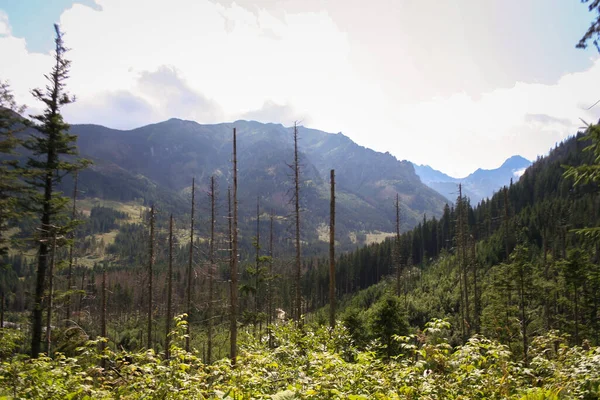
(156, 163)
(478, 185)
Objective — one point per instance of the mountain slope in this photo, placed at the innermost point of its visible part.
(477, 186)
(170, 153)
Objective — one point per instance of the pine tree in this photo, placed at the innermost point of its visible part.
(10, 186)
(47, 166)
(593, 32)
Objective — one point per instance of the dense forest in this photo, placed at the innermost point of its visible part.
(172, 298)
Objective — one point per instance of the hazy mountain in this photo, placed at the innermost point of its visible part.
(157, 163)
(480, 184)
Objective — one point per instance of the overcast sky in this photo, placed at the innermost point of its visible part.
(456, 84)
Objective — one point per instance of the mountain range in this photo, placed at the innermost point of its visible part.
(477, 186)
(156, 163)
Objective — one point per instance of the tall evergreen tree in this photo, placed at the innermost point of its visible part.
(48, 164)
(9, 172)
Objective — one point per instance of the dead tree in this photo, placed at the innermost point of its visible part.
(270, 282)
(50, 294)
(211, 271)
(298, 260)
(150, 272)
(234, 260)
(71, 250)
(396, 250)
(169, 291)
(103, 331)
(189, 272)
(257, 275)
(332, 253)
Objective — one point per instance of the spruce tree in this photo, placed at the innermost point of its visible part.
(53, 156)
(10, 186)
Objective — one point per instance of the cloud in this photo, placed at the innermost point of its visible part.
(173, 97)
(141, 61)
(157, 95)
(277, 113)
(119, 109)
(519, 172)
(547, 119)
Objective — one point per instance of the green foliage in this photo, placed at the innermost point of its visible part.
(588, 173)
(593, 31)
(10, 185)
(313, 363)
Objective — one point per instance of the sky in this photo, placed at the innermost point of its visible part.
(457, 85)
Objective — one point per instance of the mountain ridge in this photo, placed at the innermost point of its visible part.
(479, 184)
(170, 153)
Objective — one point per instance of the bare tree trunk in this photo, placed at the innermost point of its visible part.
(576, 298)
(169, 292)
(270, 286)
(234, 260)
(103, 316)
(150, 271)
(71, 250)
(459, 254)
(463, 249)
(506, 222)
(332, 252)
(50, 295)
(81, 296)
(296, 166)
(189, 271)
(476, 297)
(211, 271)
(396, 249)
(257, 307)
(37, 315)
(523, 320)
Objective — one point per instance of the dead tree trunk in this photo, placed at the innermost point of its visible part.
(50, 295)
(296, 167)
(71, 251)
(270, 283)
(150, 271)
(396, 250)
(103, 332)
(476, 295)
(189, 272)
(169, 291)
(332, 252)
(234, 260)
(211, 272)
(257, 307)
(463, 256)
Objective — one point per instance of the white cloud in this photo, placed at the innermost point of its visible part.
(142, 61)
(519, 172)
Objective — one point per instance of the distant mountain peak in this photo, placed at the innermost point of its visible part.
(516, 162)
(480, 184)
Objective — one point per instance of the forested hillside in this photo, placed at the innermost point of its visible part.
(246, 260)
(511, 267)
(166, 156)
